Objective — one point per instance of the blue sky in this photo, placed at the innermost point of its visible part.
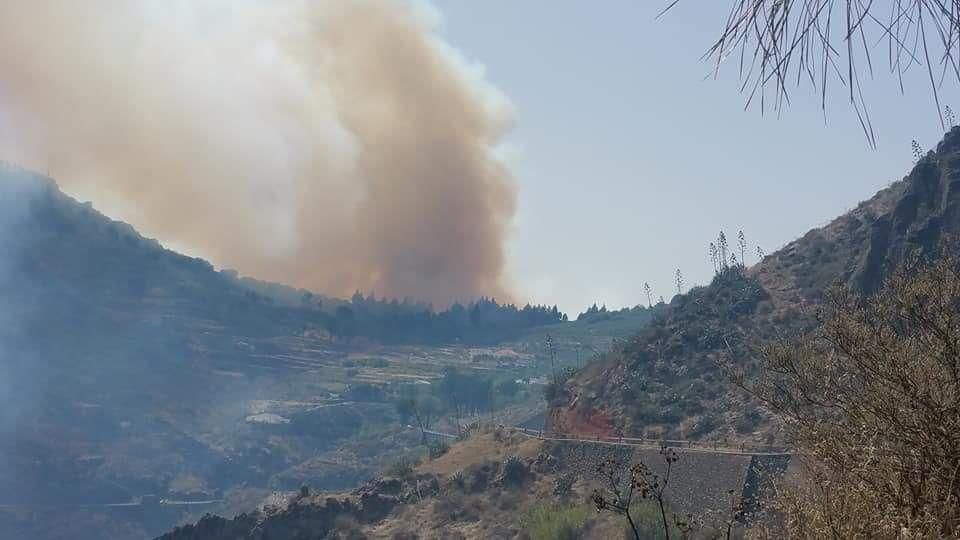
(629, 162)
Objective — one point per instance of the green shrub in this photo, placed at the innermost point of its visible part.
(748, 421)
(563, 484)
(691, 405)
(550, 522)
(670, 415)
(646, 412)
(646, 516)
(705, 424)
(400, 468)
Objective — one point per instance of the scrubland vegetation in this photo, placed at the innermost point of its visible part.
(871, 401)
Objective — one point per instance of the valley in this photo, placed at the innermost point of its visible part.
(151, 389)
(142, 375)
(670, 389)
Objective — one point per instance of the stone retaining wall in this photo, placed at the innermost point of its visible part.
(700, 483)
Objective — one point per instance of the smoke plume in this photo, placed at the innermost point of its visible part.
(333, 145)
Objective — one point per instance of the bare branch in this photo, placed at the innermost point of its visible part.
(773, 37)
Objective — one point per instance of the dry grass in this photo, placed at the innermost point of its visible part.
(479, 448)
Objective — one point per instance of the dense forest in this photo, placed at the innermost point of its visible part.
(393, 321)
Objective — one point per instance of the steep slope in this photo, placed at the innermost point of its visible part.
(128, 370)
(112, 356)
(665, 381)
(498, 484)
(75, 282)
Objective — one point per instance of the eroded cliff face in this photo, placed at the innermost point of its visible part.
(584, 424)
(925, 216)
(667, 378)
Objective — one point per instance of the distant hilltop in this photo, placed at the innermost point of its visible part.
(90, 246)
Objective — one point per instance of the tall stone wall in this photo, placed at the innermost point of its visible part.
(700, 482)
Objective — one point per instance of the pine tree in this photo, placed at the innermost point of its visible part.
(760, 253)
(679, 277)
(649, 291)
(714, 255)
(917, 150)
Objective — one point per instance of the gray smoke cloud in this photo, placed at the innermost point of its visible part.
(17, 191)
(333, 145)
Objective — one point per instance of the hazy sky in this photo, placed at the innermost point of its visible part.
(627, 159)
(629, 162)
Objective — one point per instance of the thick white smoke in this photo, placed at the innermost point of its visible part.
(334, 145)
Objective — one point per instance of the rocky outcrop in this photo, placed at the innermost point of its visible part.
(312, 517)
(925, 216)
(302, 519)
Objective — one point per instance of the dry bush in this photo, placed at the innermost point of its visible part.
(623, 488)
(872, 402)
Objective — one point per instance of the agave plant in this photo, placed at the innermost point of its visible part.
(457, 479)
(514, 470)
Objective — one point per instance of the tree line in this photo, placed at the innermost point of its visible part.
(392, 321)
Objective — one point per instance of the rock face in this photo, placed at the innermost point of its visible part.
(666, 382)
(926, 214)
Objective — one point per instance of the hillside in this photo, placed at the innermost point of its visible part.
(121, 361)
(128, 371)
(666, 381)
(493, 484)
